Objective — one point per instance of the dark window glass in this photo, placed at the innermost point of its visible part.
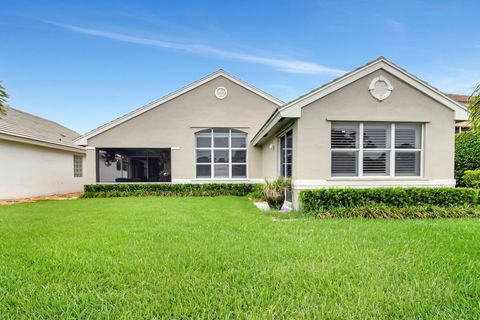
(220, 138)
(239, 139)
(407, 163)
(204, 139)
(221, 156)
(239, 156)
(204, 156)
(239, 171)
(286, 154)
(204, 171)
(344, 163)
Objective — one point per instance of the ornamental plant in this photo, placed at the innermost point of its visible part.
(274, 191)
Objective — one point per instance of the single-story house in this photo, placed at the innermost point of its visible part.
(376, 126)
(38, 157)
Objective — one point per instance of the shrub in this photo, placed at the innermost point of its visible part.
(168, 190)
(327, 199)
(257, 193)
(471, 178)
(381, 211)
(467, 154)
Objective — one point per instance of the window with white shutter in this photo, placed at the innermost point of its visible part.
(376, 149)
(408, 149)
(345, 148)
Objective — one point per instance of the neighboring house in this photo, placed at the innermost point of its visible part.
(376, 126)
(38, 157)
(461, 125)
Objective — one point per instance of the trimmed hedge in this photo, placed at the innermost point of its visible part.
(471, 178)
(467, 154)
(168, 190)
(381, 211)
(327, 199)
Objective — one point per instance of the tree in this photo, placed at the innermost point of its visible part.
(3, 99)
(474, 106)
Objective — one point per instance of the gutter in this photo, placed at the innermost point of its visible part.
(40, 142)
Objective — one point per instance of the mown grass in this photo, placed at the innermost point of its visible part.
(222, 258)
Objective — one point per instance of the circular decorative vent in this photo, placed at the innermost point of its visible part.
(221, 93)
(380, 88)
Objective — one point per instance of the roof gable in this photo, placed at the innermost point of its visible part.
(293, 108)
(83, 140)
(380, 63)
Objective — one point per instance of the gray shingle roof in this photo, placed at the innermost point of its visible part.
(26, 125)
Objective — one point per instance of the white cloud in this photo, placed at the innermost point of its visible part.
(395, 25)
(460, 81)
(284, 92)
(280, 64)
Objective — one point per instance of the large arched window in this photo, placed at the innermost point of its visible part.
(221, 154)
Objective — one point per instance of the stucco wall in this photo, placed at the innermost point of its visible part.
(174, 123)
(354, 103)
(270, 154)
(28, 171)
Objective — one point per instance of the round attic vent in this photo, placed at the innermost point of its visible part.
(221, 93)
(380, 88)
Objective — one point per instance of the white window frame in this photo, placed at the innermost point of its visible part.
(392, 151)
(284, 133)
(212, 149)
(77, 165)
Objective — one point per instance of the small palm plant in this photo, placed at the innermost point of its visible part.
(474, 108)
(274, 191)
(3, 100)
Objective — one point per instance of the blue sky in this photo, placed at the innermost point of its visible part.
(84, 63)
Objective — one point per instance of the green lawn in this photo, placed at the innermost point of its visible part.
(222, 258)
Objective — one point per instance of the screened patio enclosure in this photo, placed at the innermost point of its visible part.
(119, 165)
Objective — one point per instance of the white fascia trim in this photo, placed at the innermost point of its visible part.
(292, 114)
(266, 128)
(40, 142)
(83, 140)
(371, 183)
(461, 112)
(217, 181)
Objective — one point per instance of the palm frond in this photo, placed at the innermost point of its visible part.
(474, 108)
(3, 99)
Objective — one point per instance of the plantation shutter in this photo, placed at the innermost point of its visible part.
(376, 136)
(344, 136)
(408, 145)
(407, 136)
(344, 145)
(344, 163)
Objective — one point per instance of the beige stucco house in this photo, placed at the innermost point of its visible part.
(38, 157)
(373, 127)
